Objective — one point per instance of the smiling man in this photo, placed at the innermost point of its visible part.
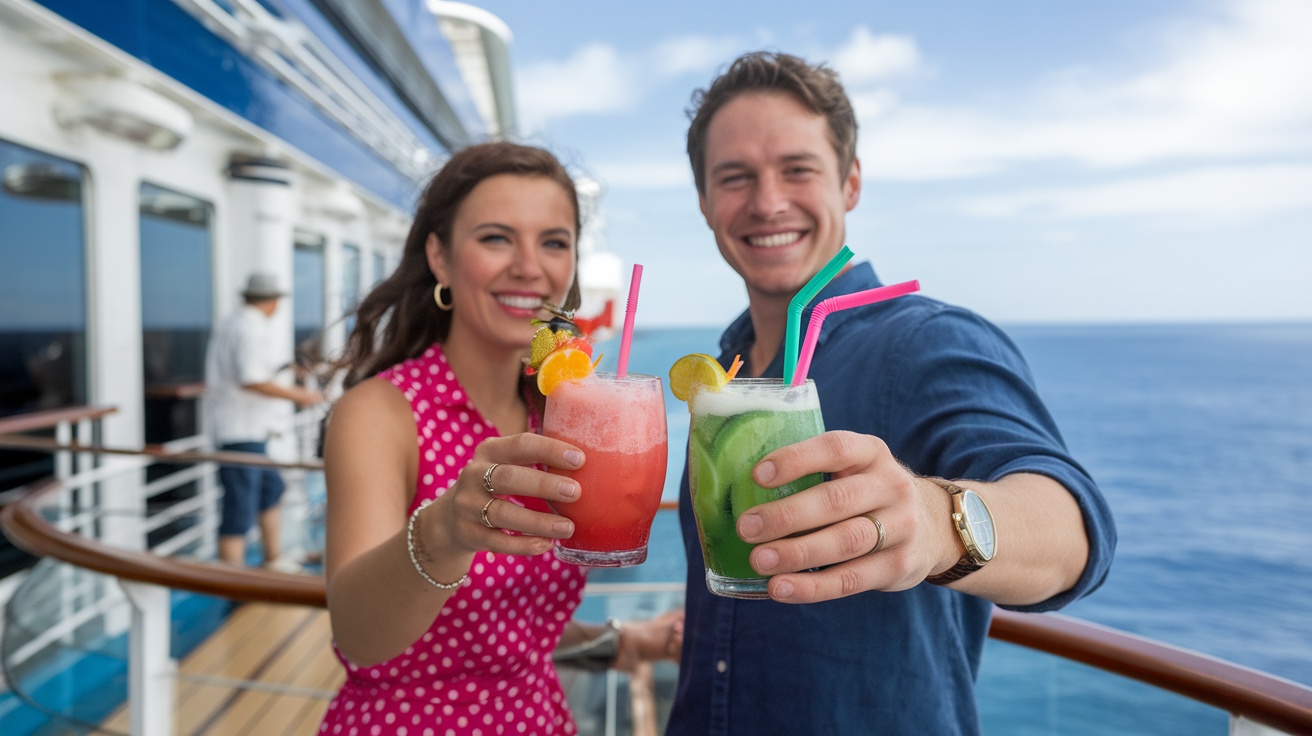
(880, 598)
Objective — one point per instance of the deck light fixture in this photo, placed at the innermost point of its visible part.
(124, 109)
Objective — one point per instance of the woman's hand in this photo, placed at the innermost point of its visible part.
(650, 640)
(474, 514)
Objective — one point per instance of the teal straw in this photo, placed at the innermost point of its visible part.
(799, 302)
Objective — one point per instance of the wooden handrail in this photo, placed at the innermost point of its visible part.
(23, 523)
(50, 418)
(159, 452)
(1260, 697)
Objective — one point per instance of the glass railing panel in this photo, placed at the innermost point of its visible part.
(1024, 692)
(602, 702)
(64, 649)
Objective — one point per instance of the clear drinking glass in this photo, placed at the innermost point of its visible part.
(619, 424)
(732, 429)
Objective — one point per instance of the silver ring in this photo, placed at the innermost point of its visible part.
(487, 478)
(483, 514)
(879, 526)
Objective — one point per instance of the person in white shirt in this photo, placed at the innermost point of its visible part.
(244, 403)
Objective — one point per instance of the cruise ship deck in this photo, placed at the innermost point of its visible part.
(152, 154)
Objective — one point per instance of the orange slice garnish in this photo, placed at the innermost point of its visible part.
(566, 364)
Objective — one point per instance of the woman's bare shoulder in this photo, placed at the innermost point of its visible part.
(372, 406)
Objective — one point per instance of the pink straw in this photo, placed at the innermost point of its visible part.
(835, 304)
(627, 337)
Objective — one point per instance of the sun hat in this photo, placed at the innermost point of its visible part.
(262, 285)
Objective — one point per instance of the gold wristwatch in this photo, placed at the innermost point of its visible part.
(974, 523)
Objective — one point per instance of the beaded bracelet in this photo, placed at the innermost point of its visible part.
(410, 545)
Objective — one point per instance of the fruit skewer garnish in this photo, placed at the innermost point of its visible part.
(560, 351)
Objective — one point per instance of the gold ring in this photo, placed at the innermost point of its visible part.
(483, 514)
(487, 477)
(879, 526)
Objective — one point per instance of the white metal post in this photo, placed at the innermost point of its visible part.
(612, 692)
(150, 670)
(63, 458)
(1240, 726)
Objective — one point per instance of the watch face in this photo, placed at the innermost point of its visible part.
(980, 523)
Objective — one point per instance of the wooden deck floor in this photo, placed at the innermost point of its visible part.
(269, 670)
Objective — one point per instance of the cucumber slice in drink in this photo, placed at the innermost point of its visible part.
(704, 480)
(749, 437)
(706, 426)
(742, 443)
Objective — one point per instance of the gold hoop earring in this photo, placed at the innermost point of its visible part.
(446, 305)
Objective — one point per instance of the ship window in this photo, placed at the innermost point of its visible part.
(176, 307)
(43, 310)
(308, 296)
(43, 318)
(350, 284)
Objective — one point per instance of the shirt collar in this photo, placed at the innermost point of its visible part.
(740, 333)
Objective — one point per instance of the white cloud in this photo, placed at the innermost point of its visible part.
(872, 104)
(1216, 193)
(867, 58)
(1223, 88)
(599, 79)
(681, 55)
(1242, 67)
(595, 79)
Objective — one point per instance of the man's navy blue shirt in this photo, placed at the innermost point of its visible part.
(953, 398)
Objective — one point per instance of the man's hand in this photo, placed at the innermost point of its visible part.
(1043, 548)
(651, 640)
(308, 398)
(828, 526)
(301, 397)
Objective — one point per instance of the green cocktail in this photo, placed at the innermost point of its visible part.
(732, 429)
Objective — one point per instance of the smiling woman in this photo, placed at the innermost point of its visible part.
(438, 518)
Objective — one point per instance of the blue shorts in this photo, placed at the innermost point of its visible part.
(247, 491)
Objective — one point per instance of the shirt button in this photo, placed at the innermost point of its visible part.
(721, 666)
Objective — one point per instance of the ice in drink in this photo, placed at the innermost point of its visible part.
(732, 429)
(619, 424)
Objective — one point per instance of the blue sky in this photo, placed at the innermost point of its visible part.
(1120, 161)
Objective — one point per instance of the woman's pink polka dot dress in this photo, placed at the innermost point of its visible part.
(484, 665)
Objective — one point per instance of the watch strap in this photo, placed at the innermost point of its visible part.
(965, 566)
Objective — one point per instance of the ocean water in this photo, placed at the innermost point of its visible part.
(1201, 438)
